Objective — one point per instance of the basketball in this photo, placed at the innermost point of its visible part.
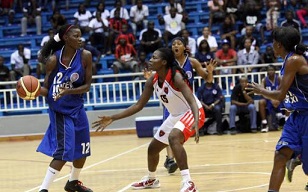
(28, 87)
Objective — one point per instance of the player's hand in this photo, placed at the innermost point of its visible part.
(254, 88)
(196, 128)
(210, 66)
(61, 93)
(101, 124)
(147, 74)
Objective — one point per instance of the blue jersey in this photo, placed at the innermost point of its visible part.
(189, 70)
(69, 77)
(269, 85)
(297, 96)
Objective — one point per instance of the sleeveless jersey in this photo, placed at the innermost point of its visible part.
(297, 96)
(172, 98)
(271, 85)
(69, 77)
(187, 67)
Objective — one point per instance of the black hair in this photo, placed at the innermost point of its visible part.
(290, 39)
(52, 45)
(167, 54)
(208, 49)
(270, 66)
(186, 51)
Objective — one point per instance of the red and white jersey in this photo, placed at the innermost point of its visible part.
(171, 97)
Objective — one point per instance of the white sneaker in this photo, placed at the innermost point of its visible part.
(188, 186)
(264, 128)
(146, 183)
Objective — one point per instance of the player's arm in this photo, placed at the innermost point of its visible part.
(50, 66)
(104, 121)
(293, 65)
(187, 93)
(206, 74)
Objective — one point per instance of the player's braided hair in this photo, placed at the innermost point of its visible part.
(54, 44)
(167, 54)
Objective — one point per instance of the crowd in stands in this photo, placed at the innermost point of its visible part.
(234, 33)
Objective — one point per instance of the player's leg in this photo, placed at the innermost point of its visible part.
(81, 151)
(170, 164)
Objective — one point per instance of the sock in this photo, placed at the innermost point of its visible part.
(50, 176)
(74, 173)
(152, 175)
(185, 175)
(264, 121)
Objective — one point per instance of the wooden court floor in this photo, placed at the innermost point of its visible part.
(225, 163)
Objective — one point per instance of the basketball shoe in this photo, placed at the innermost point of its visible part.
(264, 128)
(76, 186)
(291, 164)
(170, 165)
(146, 183)
(43, 190)
(188, 186)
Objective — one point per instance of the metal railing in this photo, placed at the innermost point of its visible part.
(116, 94)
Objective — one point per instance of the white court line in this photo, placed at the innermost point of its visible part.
(98, 163)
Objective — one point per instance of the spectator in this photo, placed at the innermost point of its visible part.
(248, 56)
(105, 14)
(32, 14)
(139, 14)
(226, 57)
(172, 23)
(179, 9)
(231, 8)
(228, 31)
(55, 3)
(204, 53)
(126, 57)
(4, 73)
(150, 38)
(115, 25)
(242, 103)
(302, 12)
(123, 13)
(96, 54)
(82, 18)
(41, 68)
(130, 37)
(269, 108)
(191, 42)
(143, 64)
(290, 21)
(206, 34)
(57, 20)
(99, 28)
(252, 17)
(211, 98)
(217, 12)
(248, 35)
(20, 62)
(272, 14)
(268, 56)
(47, 37)
(7, 8)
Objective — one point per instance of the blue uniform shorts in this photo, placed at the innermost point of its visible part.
(295, 136)
(67, 137)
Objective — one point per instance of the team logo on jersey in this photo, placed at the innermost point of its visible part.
(161, 133)
(189, 74)
(214, 91)
(74, 77)
(166, 90)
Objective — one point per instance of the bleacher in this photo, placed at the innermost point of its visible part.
(105, 93)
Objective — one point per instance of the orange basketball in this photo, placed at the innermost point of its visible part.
(28, 87)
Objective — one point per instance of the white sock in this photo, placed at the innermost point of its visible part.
(74, 173)
(152, 175)
(50, 176)
(264, 121)
(185, 175)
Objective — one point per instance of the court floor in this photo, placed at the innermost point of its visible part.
(225, 163)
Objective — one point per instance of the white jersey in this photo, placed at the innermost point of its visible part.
(171, 97)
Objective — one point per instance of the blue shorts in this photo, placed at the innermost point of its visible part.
(295, 136)
(67, 137)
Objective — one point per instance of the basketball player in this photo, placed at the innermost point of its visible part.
(171, 85)
(293, 90)
(68, 77)
(189, 64)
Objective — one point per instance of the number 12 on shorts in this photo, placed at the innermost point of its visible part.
(85, 148)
